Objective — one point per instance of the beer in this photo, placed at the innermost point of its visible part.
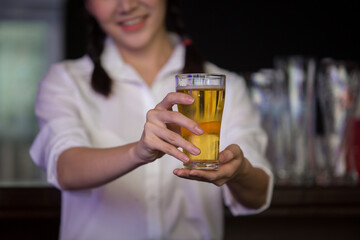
(207, 111)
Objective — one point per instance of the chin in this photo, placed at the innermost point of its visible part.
(135, 42)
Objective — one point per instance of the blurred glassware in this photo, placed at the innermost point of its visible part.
(311, 113)
(296, 75)
(269, 95)
(285, 97)
(338, 91)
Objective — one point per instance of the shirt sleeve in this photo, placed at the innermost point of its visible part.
(58, 118)
(241, 125)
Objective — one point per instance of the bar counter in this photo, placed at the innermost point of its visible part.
(296, 212)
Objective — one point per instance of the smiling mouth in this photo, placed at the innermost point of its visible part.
(132, 21)
(133, 24)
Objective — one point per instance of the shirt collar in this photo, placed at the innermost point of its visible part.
(121, 71)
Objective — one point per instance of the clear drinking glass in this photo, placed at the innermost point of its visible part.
(295, 114)
(208, 90)
(270, 96)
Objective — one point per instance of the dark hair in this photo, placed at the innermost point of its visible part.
(101, 81)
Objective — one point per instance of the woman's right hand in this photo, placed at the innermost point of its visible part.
(81, 167)
(161, 134)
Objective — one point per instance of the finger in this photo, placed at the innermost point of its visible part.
(173, 127)
(201, 175)
(219, 177)
(225, 156)
(174, 98)
(181, 172)
(169, 149)
(191, 175)
(169, 117)
(174, 139)
(233, 151)
(185, 173)
(207, 175)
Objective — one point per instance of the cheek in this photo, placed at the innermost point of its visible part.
(159, 5)
(159, 10)
(101, 10)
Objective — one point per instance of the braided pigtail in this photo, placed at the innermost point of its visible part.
(100, 80)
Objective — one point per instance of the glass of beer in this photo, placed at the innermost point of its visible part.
(208, 90)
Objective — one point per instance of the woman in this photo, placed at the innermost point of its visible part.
(105, 138)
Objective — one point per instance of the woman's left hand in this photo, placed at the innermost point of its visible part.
(230, 165)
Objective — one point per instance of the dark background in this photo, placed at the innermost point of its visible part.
(244, 36)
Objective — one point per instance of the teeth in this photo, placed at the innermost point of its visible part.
(132, 22)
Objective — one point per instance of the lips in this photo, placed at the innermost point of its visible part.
(132, 25)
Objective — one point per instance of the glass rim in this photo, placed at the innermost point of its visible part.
(200, 80)
(199, 75)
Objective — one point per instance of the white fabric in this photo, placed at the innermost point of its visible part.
(149, 202)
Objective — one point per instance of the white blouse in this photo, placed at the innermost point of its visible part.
(150, 202)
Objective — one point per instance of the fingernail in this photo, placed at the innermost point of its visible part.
(199, 130)
(185, 158)
(190, 99)
(195, 150)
